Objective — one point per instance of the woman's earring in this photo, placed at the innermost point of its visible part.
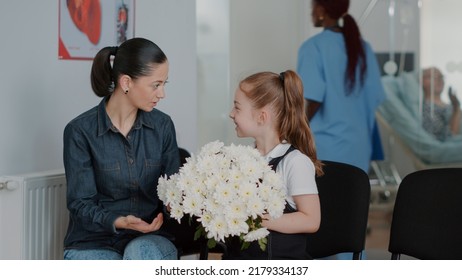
(126, 91)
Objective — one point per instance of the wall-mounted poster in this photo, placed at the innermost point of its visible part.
(86, 26)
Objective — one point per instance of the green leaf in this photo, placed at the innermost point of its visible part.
(211, 243)
(245, 245)
(199, 232)
(262, 242)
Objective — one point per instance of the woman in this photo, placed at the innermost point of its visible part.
(439, 118)
(342, 85)
(114, 155)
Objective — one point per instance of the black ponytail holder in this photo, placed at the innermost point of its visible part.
(281, 77)
(114, 50)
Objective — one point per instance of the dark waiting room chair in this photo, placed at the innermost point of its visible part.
(344, 194)
(427, 216)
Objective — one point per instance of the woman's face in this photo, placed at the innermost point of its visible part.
(145, 92)
(432, 81)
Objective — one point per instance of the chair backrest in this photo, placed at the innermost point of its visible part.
(344, 193)
(184, 154)
(427, 216)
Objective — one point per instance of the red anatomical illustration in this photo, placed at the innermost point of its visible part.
(86, 15)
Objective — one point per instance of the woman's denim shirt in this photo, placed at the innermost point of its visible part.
(109, 175)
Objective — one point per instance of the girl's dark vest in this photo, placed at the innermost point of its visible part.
(280, 245)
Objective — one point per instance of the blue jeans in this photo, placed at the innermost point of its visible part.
(146, 247)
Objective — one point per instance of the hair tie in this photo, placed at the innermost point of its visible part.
(340, 21)
(114, 50)
(281, 77)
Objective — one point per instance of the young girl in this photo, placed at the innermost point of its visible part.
(270, 108)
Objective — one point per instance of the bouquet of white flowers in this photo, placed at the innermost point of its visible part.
(227, 189)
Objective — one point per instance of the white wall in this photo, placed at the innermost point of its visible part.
(237, 38)
(40, 94)
(264, 36)
(441, 44)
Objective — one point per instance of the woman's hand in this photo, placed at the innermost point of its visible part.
(454, 101)
(135, 223)
(454, 123)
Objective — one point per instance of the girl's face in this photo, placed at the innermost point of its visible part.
(244, 115)
(145, 92)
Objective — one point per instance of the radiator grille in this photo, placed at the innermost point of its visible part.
(45, 217)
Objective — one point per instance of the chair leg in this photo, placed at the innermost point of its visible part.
(204, 252)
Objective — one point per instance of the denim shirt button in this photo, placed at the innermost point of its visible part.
(130, 161)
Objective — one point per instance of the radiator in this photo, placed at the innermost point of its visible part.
(33, 216)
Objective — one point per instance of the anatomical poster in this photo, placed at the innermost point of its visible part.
(86, 26)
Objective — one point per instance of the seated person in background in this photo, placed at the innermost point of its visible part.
(439, 118)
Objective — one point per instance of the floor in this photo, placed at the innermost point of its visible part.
(378, 235)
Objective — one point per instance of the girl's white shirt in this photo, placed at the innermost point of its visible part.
(298, 172)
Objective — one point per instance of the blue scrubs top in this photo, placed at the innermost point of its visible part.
(344, 123)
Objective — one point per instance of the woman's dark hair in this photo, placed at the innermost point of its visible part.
(135, 57)
(337, 9)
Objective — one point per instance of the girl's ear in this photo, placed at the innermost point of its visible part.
(262, 116)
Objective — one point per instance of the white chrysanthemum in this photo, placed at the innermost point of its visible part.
(176, 211)
(256, 234)
(264, 192)
(236, 209)
(252, 171)
(189, 167)
(192, 205)
(255, 207)
(218, 228)
(272, 178)
(223, 187)
(187, 178)
(162, 187)
(235, 174)
(275, 206)
(205, 219)
(212, 206)
(248, 191)
(224, 194)
(211, 183)
(207, 165)
(222, 174)
(211, 148)
(173, 195)
(222, 162)
(237, 225)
